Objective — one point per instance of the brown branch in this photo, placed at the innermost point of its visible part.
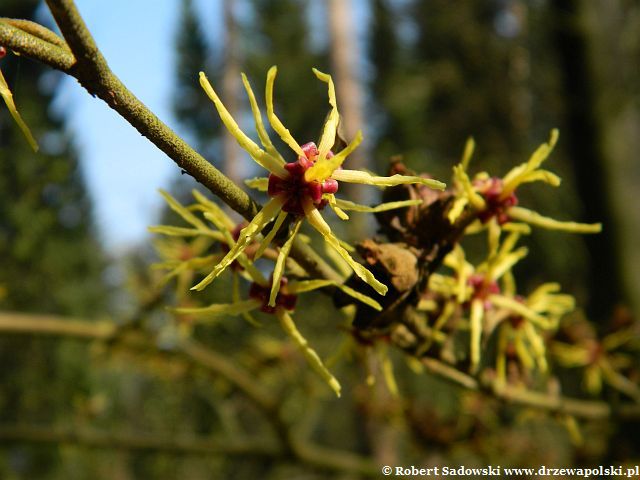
(198, 354)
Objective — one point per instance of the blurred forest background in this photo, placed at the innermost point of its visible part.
(427, 76)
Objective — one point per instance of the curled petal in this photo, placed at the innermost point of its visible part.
(219, 309)
(247, 234)
(469, 147)
(333, 203)
(266, 241)
(260, 183)
(542, 176)
(309, 353)
(317, 222)
(523, 353)
(278, 270)
(7, 96)
(183, 212)
(261, 157)
(220, 219)
(477, 314)
(356, 176)
(517, 174)
(308, 285)
(505, 262)
(461, 177)
(520, 309)
(172, 231)
(383, 207)
(457, 208)
(324, 168)
(537, 346)
(534, 218)
(328, 137)
(257, 116)
(275, 122)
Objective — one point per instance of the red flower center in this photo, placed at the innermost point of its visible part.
(496, 206)
(295, 188)
(482, 289)
(283, 299)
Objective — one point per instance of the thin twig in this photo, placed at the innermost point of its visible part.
(587, 409)
(51, 325)
(36, 30)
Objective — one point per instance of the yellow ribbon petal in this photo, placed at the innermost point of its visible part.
(357, 176)
(309, 353)
(7, 96)
(262, 158)
(275, 122)
(278, 270)
(534, 218)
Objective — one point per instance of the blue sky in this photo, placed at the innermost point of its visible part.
(124, 170)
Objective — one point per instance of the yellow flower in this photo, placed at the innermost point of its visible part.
(601, 360)
(303, 187)
(495, 198)
(527, 318)
(477, 288)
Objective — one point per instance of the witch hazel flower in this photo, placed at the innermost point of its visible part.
(476, 288)
(495, 199)
(301, 188)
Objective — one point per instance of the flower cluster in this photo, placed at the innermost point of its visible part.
(485, 297)
(494, 199)
(604, 360)
(469, 314)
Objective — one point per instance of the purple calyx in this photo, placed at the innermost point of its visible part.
(283, 299)
(491, 191)
(483, 288)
